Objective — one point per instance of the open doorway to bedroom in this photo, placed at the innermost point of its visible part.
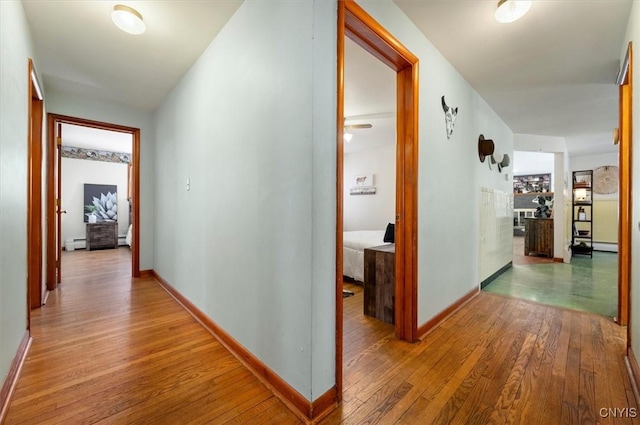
(358, 185)
(93, 194)
(96, 193)
(369, 202)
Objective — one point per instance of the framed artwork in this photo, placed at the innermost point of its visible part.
(100, 202)
(363, 185)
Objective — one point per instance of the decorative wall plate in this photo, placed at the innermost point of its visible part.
(605, 179)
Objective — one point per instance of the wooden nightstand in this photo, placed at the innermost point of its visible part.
(102, 235)
(379, 282)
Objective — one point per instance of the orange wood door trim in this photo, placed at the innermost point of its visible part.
(58, 151)
(34, 191)
(340, 200)
(56, 119)
(354, 22)
(50, 204)
(625, 159)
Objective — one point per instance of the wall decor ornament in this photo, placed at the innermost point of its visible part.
(605, 180)
(486, 148)
(545, 206)
(95, 155)
(101, 202)
(504, 162)
(363, 185)
(450, 115)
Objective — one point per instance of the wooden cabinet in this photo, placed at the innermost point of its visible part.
(102, 235)
(538, 236)
(379, 282)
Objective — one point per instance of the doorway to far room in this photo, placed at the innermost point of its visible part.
(586, 283)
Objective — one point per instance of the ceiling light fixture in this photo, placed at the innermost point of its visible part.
(511, 10)
(128, 19)
(348, 137)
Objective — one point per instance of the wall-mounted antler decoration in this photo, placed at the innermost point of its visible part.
(450, 115)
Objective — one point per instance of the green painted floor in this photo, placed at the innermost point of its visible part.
(585, 284)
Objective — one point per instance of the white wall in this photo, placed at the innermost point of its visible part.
(15, 49)
(370, 212)
(252, 125)
(633, 35)
(77, 172)
(82, 107)
(252, 243)
(450, 173)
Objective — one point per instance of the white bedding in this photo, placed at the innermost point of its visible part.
(128, 238)
(354, 244)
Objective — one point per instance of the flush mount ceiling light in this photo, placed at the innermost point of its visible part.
(511, 10)
(348, 137)
(128, 19)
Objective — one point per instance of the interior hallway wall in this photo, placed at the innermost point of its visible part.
(251, 242)
(16, 48)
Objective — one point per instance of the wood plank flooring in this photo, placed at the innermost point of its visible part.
(109, 349)
(497, 360)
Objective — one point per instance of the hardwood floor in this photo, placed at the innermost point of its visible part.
(496, 360)
(109, 349)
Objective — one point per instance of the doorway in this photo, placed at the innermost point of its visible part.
(358, 26)
(57, 124)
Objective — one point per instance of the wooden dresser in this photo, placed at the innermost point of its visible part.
(379, 282)
(102, 235)
(538, 236)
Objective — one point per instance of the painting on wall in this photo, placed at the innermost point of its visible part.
(363, 185)
(100, 202)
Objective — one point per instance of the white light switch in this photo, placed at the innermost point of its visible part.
(188, 184)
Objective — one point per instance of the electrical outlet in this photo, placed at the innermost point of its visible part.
(188, 184)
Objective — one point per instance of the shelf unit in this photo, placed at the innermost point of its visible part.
(582, 213)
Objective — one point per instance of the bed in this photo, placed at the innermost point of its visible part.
(128, 238)
(354, 244)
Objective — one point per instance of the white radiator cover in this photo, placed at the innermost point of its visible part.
(495, 239)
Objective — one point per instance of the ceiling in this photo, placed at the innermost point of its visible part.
(550, 73)
(81, 51)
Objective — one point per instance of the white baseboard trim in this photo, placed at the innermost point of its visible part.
(605, 246)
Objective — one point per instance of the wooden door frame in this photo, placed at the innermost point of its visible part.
(52, 121)
(34, 191)
(625, 87)
(354, 22)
